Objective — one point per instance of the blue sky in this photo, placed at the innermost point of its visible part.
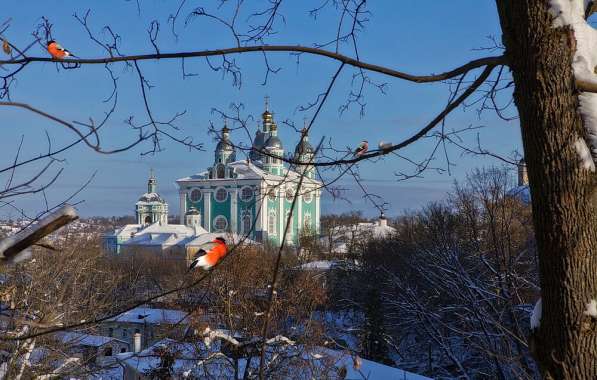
(412, 36)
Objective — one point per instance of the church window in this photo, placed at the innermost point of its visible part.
(308, 196)
(289, 194)
(272, 194)
(108, 351)
(195, 195)
(246, 193)
(271, 223)
(221, 171)
(307, 221)
(220, 223)
(221, 194)
(148, 219)
(247, 223)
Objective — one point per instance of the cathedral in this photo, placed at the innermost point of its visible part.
(250, 197)
(253, 196)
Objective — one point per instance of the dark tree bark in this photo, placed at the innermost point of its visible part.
(564, 195)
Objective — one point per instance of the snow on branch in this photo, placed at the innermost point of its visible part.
(536, 315)
(592, 309)
(572, 13)
(13, 247)
(279, 339)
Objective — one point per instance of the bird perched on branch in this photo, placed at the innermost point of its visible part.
(57, 51)
(383, 145)
(210, 254)
(362, 148)
(6, 47)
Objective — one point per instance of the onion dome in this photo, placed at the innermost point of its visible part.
(224, 143)
(273, 142)
(303, 147)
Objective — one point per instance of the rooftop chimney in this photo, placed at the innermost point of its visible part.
(383, 222)
(137, 343)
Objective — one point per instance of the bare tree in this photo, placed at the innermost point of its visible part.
(546, 93)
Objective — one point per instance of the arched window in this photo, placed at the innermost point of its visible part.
(221, 171)
(308, 196)
(122, 350)
(307, 221)
(220, 223)
(271, 223)
(124, 333)
(195, 195)
(272, 194)
(148, 219)
(246, 193)
(289, 194)
(221, 194)
(247, 222)
(108, 351)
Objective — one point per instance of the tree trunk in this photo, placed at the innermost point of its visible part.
(563, 194)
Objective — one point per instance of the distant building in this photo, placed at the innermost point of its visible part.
(341, 239)
(153, 234)
(151, 324)
(253, 197)
(522, 190)
(92, 348)
(151, 207)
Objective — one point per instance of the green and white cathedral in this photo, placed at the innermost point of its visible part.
(253, 196)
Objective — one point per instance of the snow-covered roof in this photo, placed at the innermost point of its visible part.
(82, 339)
(152, 316)
(342, 235)
(318, 265)
(189, 356)
(231, 238)
(377, 229)
(192, 360)
(127, 230)
(162, 234)
(148, 198)
(358, 368)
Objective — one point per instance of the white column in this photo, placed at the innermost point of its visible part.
(281, 216)
(207, 210)
(233, 209)
(183, 205)
(317, 194)
(300, 210)
(264, 208)
(259, 208)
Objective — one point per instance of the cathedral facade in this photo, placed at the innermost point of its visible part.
(254, 196)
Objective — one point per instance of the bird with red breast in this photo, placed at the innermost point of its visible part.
(210, 254)
(362, 148)
(57, 51)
